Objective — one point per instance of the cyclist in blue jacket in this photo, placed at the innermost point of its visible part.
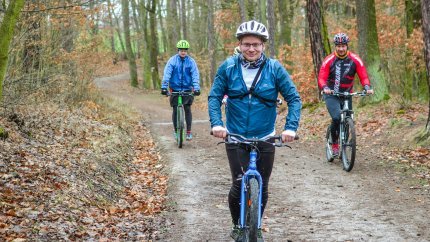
(251, 108)
(181, 74)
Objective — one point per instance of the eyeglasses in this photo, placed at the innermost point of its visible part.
(248, 45)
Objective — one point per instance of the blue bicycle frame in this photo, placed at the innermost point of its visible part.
(251, 172)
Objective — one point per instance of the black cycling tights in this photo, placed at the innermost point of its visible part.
(334, 105)
(238, 159)
(188, 116)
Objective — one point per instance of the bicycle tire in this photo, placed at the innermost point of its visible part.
(252, 210)
(349, 145)
(328, 143)
(180, 126)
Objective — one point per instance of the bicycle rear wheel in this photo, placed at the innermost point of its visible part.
(349, 145)
(328, 143)
(252, 210)
(180, 125)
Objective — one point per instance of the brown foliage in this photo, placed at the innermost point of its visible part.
(75, 176)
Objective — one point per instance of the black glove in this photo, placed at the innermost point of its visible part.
(164, 91)
(196, 93)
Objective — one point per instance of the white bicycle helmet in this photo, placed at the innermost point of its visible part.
(252, 28)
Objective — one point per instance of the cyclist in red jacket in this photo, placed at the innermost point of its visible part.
(337, 73)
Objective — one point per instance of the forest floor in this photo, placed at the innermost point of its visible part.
(384, 198)
(70, 178)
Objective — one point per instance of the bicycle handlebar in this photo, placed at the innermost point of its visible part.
(346, 94)
(242, 140)
(181, 93)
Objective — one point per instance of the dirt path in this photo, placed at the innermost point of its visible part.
(310, 199)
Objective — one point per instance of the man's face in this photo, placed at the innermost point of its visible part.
(183, 52)
(341, 49)
(252, 47)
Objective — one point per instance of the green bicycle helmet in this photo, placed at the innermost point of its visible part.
(183, 44)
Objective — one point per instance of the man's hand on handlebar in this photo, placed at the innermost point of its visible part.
(327, 90)
(219, 132)
(164, 91)
(370, 91)
(288, 136)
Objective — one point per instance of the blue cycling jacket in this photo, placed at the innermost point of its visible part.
(181, 74)
(250, 116)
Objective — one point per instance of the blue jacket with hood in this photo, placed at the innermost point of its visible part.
(181, 74)
(250, 116)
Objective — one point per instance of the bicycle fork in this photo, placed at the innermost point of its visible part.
(251, 172)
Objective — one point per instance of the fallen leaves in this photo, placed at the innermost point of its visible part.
(77, 177)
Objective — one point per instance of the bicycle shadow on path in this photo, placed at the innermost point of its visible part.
(309, 200)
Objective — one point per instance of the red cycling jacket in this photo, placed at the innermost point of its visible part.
(338, 74)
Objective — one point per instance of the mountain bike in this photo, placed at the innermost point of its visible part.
(252, 185)
(347, 133)
(180, 117)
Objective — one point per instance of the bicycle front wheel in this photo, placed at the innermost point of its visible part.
(252, 210)
(328, 143)
(348, 145)
(180, 125)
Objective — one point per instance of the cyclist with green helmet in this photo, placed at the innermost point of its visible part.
(181, 74)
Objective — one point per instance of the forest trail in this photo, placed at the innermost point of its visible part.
(310, 199)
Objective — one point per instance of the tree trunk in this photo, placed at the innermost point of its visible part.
(174, 26)
(6, 29)
(153, 48)
(271, 27)
(242, 10)
(369, 48)
(118, 31)
(129, 50)
(184, 20)
(94, 18)
(67, 33)
(162, 27)
(137, 25)
(262, 12)
(147, 76)
(313, 12)
(285, 18)
(413, 18)
(112, 27)
(32, 49)
(211, 41)
(324, 31)
(425, 10)
(250, 9)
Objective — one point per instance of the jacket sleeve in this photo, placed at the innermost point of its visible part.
(361, 70)
(168, 69)
(291, 96)
(324, 71)
(216, 95)
(195, 76)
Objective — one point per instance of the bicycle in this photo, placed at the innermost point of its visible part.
(251, 186)
(180, 116)
(347, 134)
